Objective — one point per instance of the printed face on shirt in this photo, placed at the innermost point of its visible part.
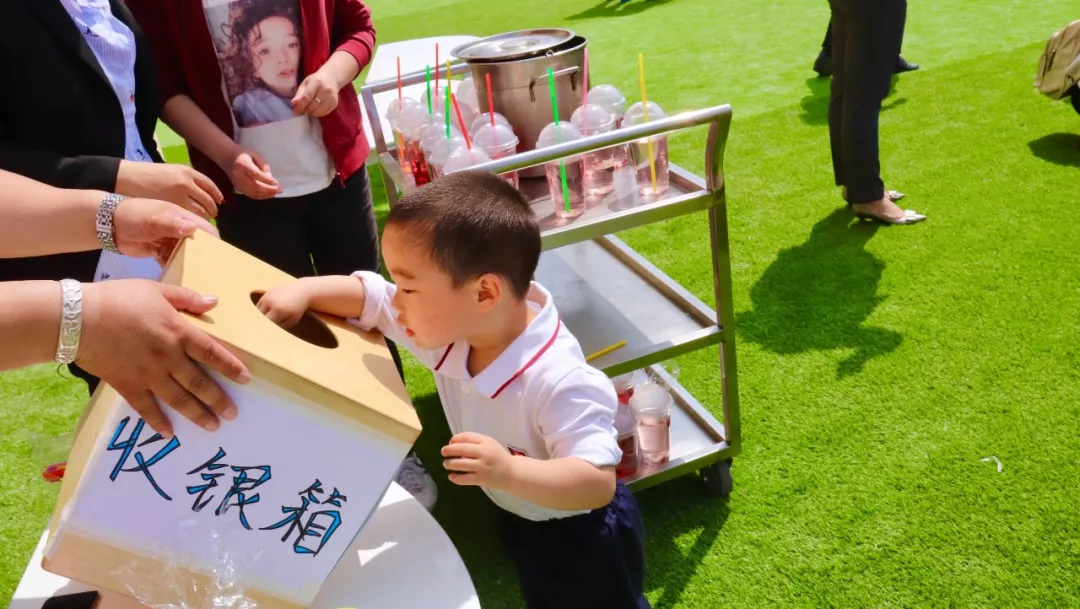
(275, 54)
(433, 311)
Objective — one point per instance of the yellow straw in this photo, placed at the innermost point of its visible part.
(645, 109)
(606, 350)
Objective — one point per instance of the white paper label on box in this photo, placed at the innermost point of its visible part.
(279, 493)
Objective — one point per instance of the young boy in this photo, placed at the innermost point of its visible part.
(532, 422)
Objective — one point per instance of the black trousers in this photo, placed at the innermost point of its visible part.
(591, 561)
(826, 44)
(866, 41)
(329, 232)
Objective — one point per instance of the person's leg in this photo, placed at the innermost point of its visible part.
(582, 562)
(1074, 97)
(903, 65)
(872, 39)
(823, 65)
(271, 230)
(341, 228)
(838, 24)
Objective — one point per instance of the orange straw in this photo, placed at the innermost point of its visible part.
(461, 121)
(399, 81)
(645, 110)
(491, 104)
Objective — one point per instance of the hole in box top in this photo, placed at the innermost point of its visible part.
(310, 329)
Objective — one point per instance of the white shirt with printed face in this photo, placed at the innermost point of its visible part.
(272, 55)
(538, 398)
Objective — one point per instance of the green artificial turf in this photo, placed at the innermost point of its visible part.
(878, 367)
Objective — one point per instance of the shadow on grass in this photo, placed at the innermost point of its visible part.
(1058, 148)
(818, 296)
(672, 511)
(615, 8)
(815, 106)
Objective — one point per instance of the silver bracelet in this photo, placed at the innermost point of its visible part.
(67, 348)
(105, 228)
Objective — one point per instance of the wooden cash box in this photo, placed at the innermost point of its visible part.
(268, 503)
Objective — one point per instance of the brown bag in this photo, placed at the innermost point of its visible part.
(1059, 66)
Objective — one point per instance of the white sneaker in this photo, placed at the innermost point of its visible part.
(414, 477)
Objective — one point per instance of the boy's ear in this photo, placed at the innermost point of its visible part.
(490, 289)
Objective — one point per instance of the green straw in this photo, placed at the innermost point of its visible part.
(447, 111)
(427, 70)
(562, 163)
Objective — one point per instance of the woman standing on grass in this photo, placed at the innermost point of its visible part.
(866, 42)
(262, 92)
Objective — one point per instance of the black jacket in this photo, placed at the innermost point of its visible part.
(60, 120)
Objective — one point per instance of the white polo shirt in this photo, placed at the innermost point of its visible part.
(538, 398)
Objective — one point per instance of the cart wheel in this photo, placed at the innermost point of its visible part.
(717, 478)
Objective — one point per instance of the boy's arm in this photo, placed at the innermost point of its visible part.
(562, 484)
(577, 422)
(363, 298)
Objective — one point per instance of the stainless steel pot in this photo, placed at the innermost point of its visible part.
(518, 63)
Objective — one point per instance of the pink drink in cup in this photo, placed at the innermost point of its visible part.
(485, 119)
(600, 165)
(440, 154)
(412, 121)
(559, 133)
(498, 142)
(466, 96)
(626, 425)
(464, 158)
(393, 116)
(651, 405)
(612, 100)
(639, 152)
(434, 135)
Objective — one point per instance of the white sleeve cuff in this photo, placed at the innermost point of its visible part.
(377, 296)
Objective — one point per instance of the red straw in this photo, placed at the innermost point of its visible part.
(437, 70)
(585, 97)
(399, 81)
(461, 121)
(491, 104)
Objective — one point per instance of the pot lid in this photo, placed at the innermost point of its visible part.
(513, 45)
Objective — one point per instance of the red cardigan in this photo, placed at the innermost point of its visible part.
(186, 64)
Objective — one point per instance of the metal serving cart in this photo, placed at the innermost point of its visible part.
(607, 293)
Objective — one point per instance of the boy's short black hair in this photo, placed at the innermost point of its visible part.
(473, 223)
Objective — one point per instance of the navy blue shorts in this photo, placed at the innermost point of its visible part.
(591, 561)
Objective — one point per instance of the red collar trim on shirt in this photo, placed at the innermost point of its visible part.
(532, 361)
(445, 354)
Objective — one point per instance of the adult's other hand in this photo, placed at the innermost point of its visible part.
(177, 184)
(135, 339)
(145, 228)
(251, 175)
